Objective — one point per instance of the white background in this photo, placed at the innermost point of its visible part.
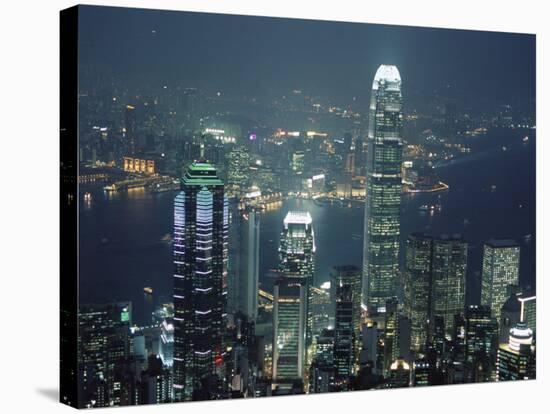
(29, 202)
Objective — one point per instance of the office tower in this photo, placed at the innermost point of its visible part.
(350, 275)
(297, 246)
(155, 385)
(369, 340)
(391, 333)
(244, 262)
(418, 276)
(321, 307)
(322, 374)
(322, 378)
(450, 254)
(517, 359)
(250, 263)
(343, 335)
(383, 196)
(528, 310)
(103, 347)
(166, 345)
(297, 257)
(289, 328)
(500, 269)
(324, 347)
(399, 374)
(237, 170)
(200, 273)
(481, 343)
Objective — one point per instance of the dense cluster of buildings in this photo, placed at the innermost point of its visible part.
(378, 326)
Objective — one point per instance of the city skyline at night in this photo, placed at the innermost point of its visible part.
(283, 206)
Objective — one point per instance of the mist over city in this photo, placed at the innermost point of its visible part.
(275, 206)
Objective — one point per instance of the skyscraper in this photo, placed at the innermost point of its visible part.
(343, 335)
(481, 342)
(528, 311)
(244, 261)
(237, 169)
(391, 333)
(297, 257)
(321, 307)
(103, 348)
(200, 270)
(250, 264)
(349, 275)
(289, 328)
(500, 269)
(450, 254)
(297, 246)
(418, 273)
(383, 196)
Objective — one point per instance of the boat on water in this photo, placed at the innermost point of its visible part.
(148, 290)
(430, 207)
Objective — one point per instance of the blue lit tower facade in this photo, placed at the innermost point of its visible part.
(383, 197)
(200, 273)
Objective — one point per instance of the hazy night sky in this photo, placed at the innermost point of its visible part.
(254, 55)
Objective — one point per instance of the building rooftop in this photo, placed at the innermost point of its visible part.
(388, 73)
(201, 173)
(297, 217)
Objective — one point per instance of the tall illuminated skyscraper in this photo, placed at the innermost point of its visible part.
(500, 269)
(418, 271)
(200, 272)
(450, 257)
(297, 257)
(383, 197)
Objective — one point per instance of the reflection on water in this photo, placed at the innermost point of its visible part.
(124, 245)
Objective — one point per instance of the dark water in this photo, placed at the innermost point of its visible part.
(122, 248)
